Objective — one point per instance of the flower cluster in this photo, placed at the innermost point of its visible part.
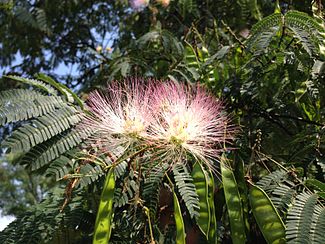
(138, 4)
(174, 120)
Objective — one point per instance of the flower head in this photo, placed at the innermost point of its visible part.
(139, 4)
(120, 115)
(188, 121)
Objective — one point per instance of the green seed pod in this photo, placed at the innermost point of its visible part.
(180, 228)
(233, 202)
(201, 184)
(266, 216)
(213, 222)
(104, 217)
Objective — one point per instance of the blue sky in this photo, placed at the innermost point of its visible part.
(4, 221)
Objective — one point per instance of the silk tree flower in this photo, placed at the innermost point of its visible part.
(170, 121)
(188, 121)
(139, 4)
(120, 115)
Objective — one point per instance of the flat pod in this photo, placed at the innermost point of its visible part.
(201, 184)
(180, 228)
(266, 216)
(233, 202)
(104, 217)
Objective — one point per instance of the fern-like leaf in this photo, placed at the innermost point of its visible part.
(40, 17)
(126, 190)
(307, 30)
(271, 179)
(26, 17)
(120, 169)
(282, 196)
(318, 227)
(40, 223)
(152, 184)
(36, 83)
(303, 220)
(29, 105)
(44, 153)
(279, 188)
(20, 94)
(60, 167)
(263, 31)
(89, 174)
(186, 188)
(41, 129)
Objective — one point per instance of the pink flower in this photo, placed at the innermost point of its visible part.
(138, 4)
(188, 121)
(120, 115)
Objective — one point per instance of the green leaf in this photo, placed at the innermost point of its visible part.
(41, 129)
(105, 212)
(318, 226)
(152, 186)
(46, 152)
(186, 188)
(37, 83)
(18, 105)
(70, 95)
(263, 31)
(304, 220)
(316, 184)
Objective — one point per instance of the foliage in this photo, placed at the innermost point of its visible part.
(309, 226)
(19, 189)
(271, 81)
(45, 223)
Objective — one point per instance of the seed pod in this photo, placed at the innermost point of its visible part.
(266, 216)
(201, 185)
(233, 202)
(180, 228)
(104, 217)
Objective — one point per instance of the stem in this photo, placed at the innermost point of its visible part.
(121, 159)
(147, 212)
(233, 34)
(98, 161)
(170, 181)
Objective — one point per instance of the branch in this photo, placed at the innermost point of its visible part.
(307, 121)
(233, 34)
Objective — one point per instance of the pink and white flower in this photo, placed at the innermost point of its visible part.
(138, 4)
(120, 114)
(188, 121)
